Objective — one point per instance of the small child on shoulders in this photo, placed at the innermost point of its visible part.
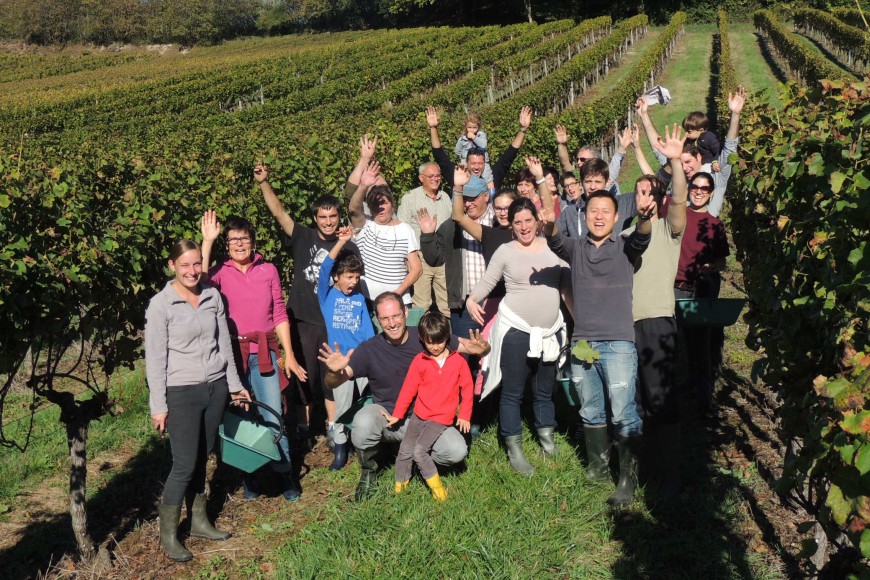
(347, 323)
(441, 382)
(474, 138)
(695, 125)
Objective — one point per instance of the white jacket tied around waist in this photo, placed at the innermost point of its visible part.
(544, 343)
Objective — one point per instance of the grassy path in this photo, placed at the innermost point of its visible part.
(687, 77)
(750, 62)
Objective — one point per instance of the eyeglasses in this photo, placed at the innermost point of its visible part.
(387, 319)
(433, 176)
(501, 209)
(704, 188)
(242, 240)
(572, 184)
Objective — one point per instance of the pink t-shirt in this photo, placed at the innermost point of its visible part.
(254, 298)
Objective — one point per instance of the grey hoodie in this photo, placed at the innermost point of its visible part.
(186, 345)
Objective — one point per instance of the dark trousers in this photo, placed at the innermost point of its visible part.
(656, 343)
(417, 444)
(195, 412)
(307, 339)
(703, 343)
(516, 368)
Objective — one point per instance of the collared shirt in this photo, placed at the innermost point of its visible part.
(441, 208)
(472, 253)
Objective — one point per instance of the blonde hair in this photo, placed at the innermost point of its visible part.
(473, 117)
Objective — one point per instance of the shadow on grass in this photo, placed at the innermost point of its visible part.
(114, 511)
(699, 534)
(772, 62)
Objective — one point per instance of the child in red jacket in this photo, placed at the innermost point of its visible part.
(441, 382)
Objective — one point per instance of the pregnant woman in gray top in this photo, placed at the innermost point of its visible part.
(528, 331)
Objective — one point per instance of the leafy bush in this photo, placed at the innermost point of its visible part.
(801, 222)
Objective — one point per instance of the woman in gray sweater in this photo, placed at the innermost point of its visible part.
(528, 331)
(190, 369)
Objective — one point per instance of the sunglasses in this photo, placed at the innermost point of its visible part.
(704, 188)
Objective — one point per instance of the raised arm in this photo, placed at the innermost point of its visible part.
(367, 147)
(261, 176)
(548, 202)
(642, 109)
(642, 162)
(211, 229)
(626, 138)
(355, 205)
(736, 101)
(461, 176)
(432, 120)
(672, 147)
(562, 148)
(525, 121)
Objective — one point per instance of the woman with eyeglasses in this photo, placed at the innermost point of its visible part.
(191, 375)
(528, 331)
(258, 323)
(702, 257)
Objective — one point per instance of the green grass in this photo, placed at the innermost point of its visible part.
(496, 523)
(749, 64)
(47, 454)
(687, 77)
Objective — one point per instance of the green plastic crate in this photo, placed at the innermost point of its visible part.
(709, 311)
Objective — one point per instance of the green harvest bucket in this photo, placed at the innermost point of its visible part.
(709, 311)
(563, 377)
(246, 444)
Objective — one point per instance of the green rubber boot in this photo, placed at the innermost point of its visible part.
(518, 461)
(169, 516)
(545, 437)
(628, 449)
(200, 527)
(368, 463)
(597, 453)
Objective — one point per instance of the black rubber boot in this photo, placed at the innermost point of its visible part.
(200, 527)
(250, 489)
(289, 489)
(518, 461)
(169, 516)
(340, 456)
(368, 463)
(597, 453)
(628, 449)
(545, 437)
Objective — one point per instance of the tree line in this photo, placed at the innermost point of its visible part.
(190, 22)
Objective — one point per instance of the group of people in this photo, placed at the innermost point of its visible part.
(498, 278)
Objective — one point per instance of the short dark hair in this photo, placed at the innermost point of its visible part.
(594, 167)
(657, 189)
(240, 224)
(519, 205)
(182, 247)
(603, 193)
(525, 175)
(325, 201)
(550, 170)
(506, 192)
(691, 149)
(385, 297)
(434, 327)
(376, 195)
(347, 263)
(696, 121)
(705, 175)
(566, 176)
(476, 151)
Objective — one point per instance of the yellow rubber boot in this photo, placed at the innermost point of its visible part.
(401, 486)
(439, 492)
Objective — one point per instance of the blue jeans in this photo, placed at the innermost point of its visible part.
(267, 390)
(617, 369)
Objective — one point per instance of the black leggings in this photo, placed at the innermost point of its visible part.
(195, 412)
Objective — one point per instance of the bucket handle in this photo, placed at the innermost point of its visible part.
(282, 431)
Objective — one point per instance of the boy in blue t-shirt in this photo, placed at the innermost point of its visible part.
(347, 325)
